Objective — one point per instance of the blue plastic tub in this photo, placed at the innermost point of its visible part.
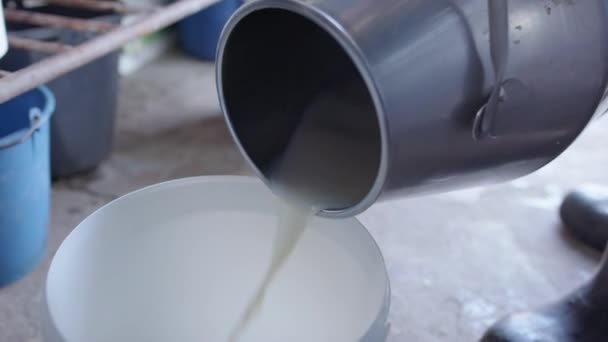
(200, 33)
(24, 181)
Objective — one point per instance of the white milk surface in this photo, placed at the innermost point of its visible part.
(192, 278)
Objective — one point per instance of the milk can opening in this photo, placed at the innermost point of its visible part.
(300, 109)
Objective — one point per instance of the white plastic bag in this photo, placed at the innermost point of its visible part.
(3, 41)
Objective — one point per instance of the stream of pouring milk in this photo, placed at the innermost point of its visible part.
(294, 211)
(290, 226)
(319, 173)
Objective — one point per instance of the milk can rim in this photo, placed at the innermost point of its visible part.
(346, 41)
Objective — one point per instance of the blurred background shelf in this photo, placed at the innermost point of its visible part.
(143, 20)
(76, 48)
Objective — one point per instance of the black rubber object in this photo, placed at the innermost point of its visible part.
(581, 316)
(585, 216)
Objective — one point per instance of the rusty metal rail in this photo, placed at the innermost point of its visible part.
(36, 45)
(66, 58)
(96, 5)
(51, 20)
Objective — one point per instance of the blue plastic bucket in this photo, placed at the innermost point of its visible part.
(24, 181)
(200, 33)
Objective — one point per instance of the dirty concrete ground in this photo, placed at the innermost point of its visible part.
(457, 261)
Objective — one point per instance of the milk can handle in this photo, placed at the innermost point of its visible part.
(36, 122)
(498, 17)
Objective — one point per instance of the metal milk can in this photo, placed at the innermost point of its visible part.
(432, 95)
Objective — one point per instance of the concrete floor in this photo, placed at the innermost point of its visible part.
(457, 261)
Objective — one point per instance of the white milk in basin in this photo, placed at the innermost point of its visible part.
(180, 261)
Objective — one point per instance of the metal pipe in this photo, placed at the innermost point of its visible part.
(96, 5)
(50, 68)
(41, 19)
(35, 45)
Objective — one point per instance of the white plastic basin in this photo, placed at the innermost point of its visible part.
(179, 261)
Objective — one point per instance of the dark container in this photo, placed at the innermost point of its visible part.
(200, 32)
(83, 124)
